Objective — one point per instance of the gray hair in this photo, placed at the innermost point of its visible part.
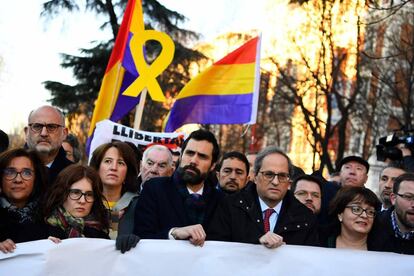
(159, 148)
(268, 151)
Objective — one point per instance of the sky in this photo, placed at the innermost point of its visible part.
(30, 46)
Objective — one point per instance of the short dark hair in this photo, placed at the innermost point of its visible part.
(59, 192)
(127, 154)
(347, 194)
(41, 180)
(268, 151)
(204, 135)
(235, 154)
(308, 178)
(401, 178)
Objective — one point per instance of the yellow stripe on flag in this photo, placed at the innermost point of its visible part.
(107, 97)
(222, 80)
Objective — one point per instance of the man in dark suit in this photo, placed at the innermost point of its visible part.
(265, 213)
(45, 133)
(180, 207)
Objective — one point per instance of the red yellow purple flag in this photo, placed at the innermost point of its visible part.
(225, 93)
(120, 71)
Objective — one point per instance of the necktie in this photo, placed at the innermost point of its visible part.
(267, 214)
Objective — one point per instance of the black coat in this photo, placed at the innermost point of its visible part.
(239, 219)
(160, 207)
(58, 165)
(383, 237)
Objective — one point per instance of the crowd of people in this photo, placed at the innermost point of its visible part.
(198, 194)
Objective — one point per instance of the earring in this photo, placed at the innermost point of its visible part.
(340, 218)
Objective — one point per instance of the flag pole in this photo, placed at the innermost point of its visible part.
(140, 109)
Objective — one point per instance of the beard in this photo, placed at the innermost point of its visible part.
(403, 218)
(192, 177)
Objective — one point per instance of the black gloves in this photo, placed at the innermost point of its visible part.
(126, 242)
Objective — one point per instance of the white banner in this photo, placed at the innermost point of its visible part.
(107, 131)
(80, 256)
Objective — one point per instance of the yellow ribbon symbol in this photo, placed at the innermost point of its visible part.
(148, 73)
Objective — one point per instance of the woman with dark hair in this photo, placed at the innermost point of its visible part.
(23, 180)
(74, 205)
(354, 210)
(117, 167)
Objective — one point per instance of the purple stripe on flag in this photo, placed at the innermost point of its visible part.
(125, 103)
(217, 109)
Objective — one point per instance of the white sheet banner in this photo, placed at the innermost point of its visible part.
(163, 257)
(107, 131)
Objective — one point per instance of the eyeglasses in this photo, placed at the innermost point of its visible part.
(281, 177)
(302, 193)
(11, 173)
(76, 194)
(408, 197)
(357, 210)
(36, 127)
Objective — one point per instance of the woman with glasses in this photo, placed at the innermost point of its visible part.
(354, 210)
(23, 180)
(117, 167)
(74, 205)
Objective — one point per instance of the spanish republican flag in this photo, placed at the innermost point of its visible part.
(225, 93)
(121, 70)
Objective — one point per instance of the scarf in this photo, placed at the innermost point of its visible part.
(72, 226)
(23, 215)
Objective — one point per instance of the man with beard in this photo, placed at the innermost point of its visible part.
(308, 190)
(45, 134)
(233, 172)
(179, 207)
(395, 229)
(266, 212)
(386, 183)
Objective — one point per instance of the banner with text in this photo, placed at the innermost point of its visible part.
(81, 256)
(107, 131)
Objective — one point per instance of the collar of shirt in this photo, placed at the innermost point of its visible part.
(200, 192)
(264, 206)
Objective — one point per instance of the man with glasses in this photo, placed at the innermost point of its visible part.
(233, 172)
(395, 231)
(265, 213)
(45, 133)
(308, 190)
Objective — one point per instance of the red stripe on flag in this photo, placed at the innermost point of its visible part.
(122, 37)
(244, 54)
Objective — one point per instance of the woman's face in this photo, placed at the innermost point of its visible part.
(113, 168)
(18, 180)
(357, 217)
(80, 199)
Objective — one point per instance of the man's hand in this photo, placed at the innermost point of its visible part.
(271, 240)
(194, 233)
(7, 246)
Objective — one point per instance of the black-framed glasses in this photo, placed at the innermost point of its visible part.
(76, 194)
(11, 173)
(408, 197)
(281, 177)
(36, 127)
(358, 210)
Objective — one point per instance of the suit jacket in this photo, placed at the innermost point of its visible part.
(160, 207)
(239, 219)
(382, 236)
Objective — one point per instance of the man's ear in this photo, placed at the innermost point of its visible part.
(213, 167)
(26, 132)
(393, 198)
